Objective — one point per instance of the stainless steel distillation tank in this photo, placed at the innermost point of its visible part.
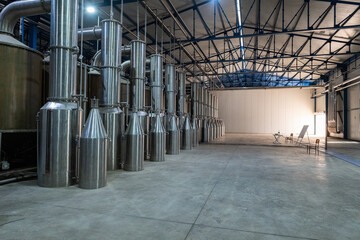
(185, 131)
(135, 134)
(59, 127)
(205, 125)
(157, 131)
(195, 89)
(180, 98)
(21, 83)
(172, 127)
(110, 101)
(93, 151)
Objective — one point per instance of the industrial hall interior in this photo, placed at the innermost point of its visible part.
(180, 119)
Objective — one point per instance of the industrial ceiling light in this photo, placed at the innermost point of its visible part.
(90, 9)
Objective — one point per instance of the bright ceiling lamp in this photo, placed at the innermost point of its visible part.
(90, 9)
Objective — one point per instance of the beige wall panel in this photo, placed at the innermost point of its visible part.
(266, 111)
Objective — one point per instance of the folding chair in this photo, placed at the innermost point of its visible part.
(291, 138)
(316, 147)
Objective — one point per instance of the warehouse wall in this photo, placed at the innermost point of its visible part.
(266, 111)
(354, 113)
(353, 101)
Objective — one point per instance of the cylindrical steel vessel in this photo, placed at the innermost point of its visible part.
(134, 145)
(111, 59)
(181, 95)
(170, 89)
(205, 130)
(156, 80)
(112, 120)
(137, 75)
(111, 75)
(137, 93)
(173, 137)
(93, 144)
(200, 102)
(20, 85)
(187, 135)
(59, 125)
(195, 99)
(211, 130)
(195, 132)
(157, 140)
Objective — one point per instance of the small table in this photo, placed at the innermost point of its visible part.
(277, 137)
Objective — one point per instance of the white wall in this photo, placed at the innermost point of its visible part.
(266, 111)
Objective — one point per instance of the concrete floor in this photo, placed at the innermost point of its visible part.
(213, 192)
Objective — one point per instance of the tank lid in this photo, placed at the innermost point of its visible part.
(6, 39)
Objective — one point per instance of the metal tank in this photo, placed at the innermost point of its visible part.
(173, 137)
(110, 75)
(137, 89)
(195, 132)
(20, 85)
(157, 140)
(134, 145)
(181, 96)
(171, 90)
(157, 131)
(187, 135)
(93, 151)
(59, 126)
(211, 130)
(213, 116)
(172, 127)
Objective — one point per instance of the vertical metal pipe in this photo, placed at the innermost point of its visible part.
(60, 118)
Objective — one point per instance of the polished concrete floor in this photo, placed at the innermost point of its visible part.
(213, 192)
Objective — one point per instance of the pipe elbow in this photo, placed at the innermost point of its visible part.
(15, 10)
